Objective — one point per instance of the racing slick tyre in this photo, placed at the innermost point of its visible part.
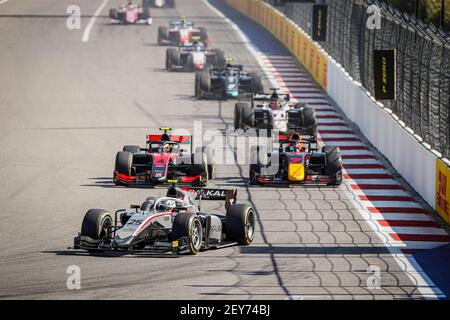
(145, 15)
(209, 162)
(240, 224)
(163, 34)
(256, 83)
(333, 164)
(132, 149)
(259, 156)
(124, 161)
(96, 224)
(203, 35)
(247, 116)
(172, 58)
(219, 60)
(203, 83)
(188, 224)
(170, 3)
(237, 116)
(200, 169)
(114, 14)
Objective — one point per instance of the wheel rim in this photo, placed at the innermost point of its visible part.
(196, 234)
(250, 225)
(106, 226)
(205, 161)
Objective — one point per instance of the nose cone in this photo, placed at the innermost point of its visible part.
(123, 239)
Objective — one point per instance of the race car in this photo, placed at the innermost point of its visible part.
(170, 224)
(130, 13)
(159, 3)
(296, 162)
(275, 112)
(193, 57)
(229, 82)
(181, 32)
(166, 157)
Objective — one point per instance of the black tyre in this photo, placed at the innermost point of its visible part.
(172, 58)
(170, 3)
(204, 83)
(197, 92)
(259, 156)
(124, 161)
(145, 14)
(96, 224)
(247, 116)
(209, 161)
(132, 149)
(113, 14)
(256, 83)
(333, 164)
(163, 34)
(199, 169)
(240, 224)
(203, 35)
(220, 60)
(237, 116)
(188, 224)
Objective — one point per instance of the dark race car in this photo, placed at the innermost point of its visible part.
(181, 32)
(166, 157)
(296, 161)
(193, 57)
(274, 111)
(130, 13)
(229, 82)
(170, 224)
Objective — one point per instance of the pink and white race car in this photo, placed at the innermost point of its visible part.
(194, 57)
(181, 32)
(130, 13)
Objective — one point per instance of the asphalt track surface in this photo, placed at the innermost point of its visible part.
(68, 106)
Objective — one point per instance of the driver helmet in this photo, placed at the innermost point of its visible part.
(170, 205)
(274, 104)
(198, 46)
(167, 148)
(300, 147)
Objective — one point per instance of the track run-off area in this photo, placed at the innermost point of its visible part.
(70, 99)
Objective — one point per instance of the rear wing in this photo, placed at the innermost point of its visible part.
(162, 138)
(227, 195)
(268, 96)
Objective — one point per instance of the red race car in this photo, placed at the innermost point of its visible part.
(163, 160)
(130, 13)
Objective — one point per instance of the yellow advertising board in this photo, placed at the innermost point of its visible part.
(303, 48)
(443, 190)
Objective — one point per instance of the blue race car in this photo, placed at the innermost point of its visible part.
(229, 82)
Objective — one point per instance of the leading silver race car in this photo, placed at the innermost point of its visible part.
(170, 224)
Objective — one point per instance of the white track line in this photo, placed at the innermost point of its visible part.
(91, 23)
(3, 1)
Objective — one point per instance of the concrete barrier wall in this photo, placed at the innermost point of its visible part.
(409, 157)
